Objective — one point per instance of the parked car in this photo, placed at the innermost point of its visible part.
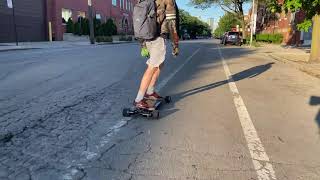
(231, 37)
(186, 36)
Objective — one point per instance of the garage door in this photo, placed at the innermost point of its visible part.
(30, 20)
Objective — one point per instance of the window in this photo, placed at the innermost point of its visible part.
(127, 5)
(98, 16)
(114, 2)
(121, 4)
(66, 14)
(81, 14)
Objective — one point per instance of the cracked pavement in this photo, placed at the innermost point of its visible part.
(60, 116)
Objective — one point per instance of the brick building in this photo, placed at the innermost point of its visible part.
(59, 11)
(33, 17)
(283, 23)
(30, 17)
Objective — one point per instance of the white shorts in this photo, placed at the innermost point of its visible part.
(157, 50)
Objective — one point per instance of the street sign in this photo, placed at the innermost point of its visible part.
(9, 3)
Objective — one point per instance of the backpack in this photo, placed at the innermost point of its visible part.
(145, 20)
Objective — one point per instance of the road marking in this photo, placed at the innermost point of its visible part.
(124, 121)
(260, 159)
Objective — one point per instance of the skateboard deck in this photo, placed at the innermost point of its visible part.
(155, 114)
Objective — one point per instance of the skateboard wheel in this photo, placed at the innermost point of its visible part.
(167, 99)
(126, 112)
(155, 114)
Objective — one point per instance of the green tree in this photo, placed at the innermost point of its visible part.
(193, 25)
(97, 27)
(234, 7)
(312, 11)
(85, 26)
(111, 28)
(226, 23)
(70, 26)
(77, 29)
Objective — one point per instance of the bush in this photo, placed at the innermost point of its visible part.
(85, 26)
(104, 39)
(125, 38)
(70, 26)
(77, 29)
(81, 27)
(105, 29)
(270, 38)
(111, 27)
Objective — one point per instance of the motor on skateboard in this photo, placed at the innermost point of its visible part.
(154, 114)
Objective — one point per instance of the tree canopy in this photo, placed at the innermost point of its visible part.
(231, 6)
(234, 7)
(226, 23)
(193, 25)
(309, 7)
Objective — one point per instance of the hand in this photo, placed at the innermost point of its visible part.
(144, 52)
(175, 51)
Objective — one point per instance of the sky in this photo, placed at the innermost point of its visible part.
(213, 12)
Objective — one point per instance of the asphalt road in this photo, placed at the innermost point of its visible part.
(236, 114)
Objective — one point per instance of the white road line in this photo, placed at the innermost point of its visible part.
(116, 128)
(258, 154)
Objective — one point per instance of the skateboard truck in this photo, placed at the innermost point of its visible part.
(154, 114)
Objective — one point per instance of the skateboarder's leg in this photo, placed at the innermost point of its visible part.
(145, 82)
(155, 77)
(157, 51)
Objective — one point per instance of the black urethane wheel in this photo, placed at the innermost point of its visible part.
(155, 114)
(167, 99)
(126, 112)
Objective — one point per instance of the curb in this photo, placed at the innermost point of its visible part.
(17, 49)
(110, 43)
(98, 44)
(300, 66)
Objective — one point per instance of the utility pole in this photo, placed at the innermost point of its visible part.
(91, 22)
(253, 21)
(11, 5)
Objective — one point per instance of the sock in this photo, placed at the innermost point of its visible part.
(150, 90)
(140, 96)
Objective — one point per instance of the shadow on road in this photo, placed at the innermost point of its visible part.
(249, 73)
(314, 101)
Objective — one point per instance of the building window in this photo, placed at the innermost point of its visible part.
(131, 6)
(66, 15)
(81, 14)
(121, 3)
(127, 4)
(98, 16)
(114, 2)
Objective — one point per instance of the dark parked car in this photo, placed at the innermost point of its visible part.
(186, 36)
(231, 38)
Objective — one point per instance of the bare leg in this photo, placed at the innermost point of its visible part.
(145, 82)
(155, 78)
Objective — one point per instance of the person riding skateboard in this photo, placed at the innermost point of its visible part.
(167, 20)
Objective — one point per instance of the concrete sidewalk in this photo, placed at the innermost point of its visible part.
(40, 45)
(54, 44)
(296, 57)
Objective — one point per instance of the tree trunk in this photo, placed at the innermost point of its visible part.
(244, 29)
(243, 23)
(315, 45)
